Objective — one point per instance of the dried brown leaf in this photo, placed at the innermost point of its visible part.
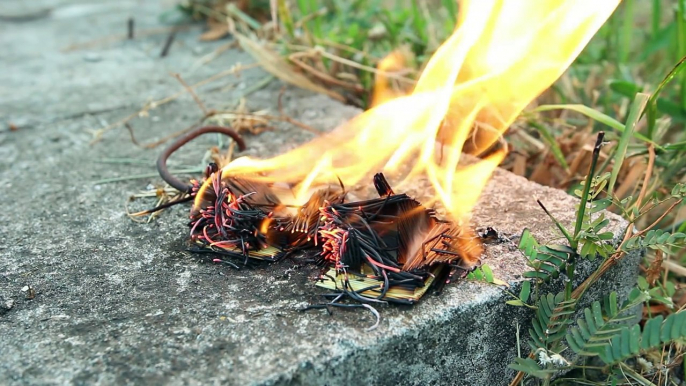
(636, 170)
(654, 269)
(218, 30)
(277, 66)
(519, 165)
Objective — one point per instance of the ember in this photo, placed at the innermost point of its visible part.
(392, 248)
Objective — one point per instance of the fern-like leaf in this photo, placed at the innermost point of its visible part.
(600, 324)
(549, 325)
(531, 367)
(656, 239)
(602, 335)
(546, 260)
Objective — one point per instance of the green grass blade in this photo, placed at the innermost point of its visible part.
(652, 102)
(681, 43)
(596, 116)
(635, 113)
(656, 14)
(624, 87)
(232, 9)
(559, 225)
(627, 31)
(549, 139)
(674, 72)
(587, 111)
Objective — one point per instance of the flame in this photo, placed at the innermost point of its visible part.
(393, 62)
(501, 56)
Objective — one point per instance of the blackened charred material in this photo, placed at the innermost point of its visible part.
(382, 186)
(385, 249)
(231, 223)
(491, 235)
(391, 248)
(301, 230)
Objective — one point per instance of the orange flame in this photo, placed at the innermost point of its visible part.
(501, 56)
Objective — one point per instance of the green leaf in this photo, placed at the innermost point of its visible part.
(584, 330)
(525, 291)
(531, 367)
(672, 109)
(651, 333)
(666, 333)
(552, 143)
(515, 302)
(611, 304)
(546, 260)
(488, 273)
(660, 40)
(642, 283)
(605, 236)
(656, 239)
(600, 205)
(679, 190)
(616, 344)
(485, 274)
(627, 89)
(678, 325)
(528, 244)
(635, 114)
(476, 274)
(652, 102)
(600, 330)
(551, 320)
(536, 275)
(597, 116)
(587, 250)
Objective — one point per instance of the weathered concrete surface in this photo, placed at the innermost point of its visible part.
(121, 302)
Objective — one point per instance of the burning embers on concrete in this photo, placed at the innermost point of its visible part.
(389, 248)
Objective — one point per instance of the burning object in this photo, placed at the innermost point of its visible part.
(392, 248)
(389, 248)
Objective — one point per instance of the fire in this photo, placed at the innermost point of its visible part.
(501, 56)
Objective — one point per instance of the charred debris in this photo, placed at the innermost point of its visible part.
(385, 249)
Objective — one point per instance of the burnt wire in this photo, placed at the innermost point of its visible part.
(364, 242)
(162, 160)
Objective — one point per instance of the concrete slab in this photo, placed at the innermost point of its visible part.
(112, 301)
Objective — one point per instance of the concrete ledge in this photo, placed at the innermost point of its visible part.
(120, 302)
